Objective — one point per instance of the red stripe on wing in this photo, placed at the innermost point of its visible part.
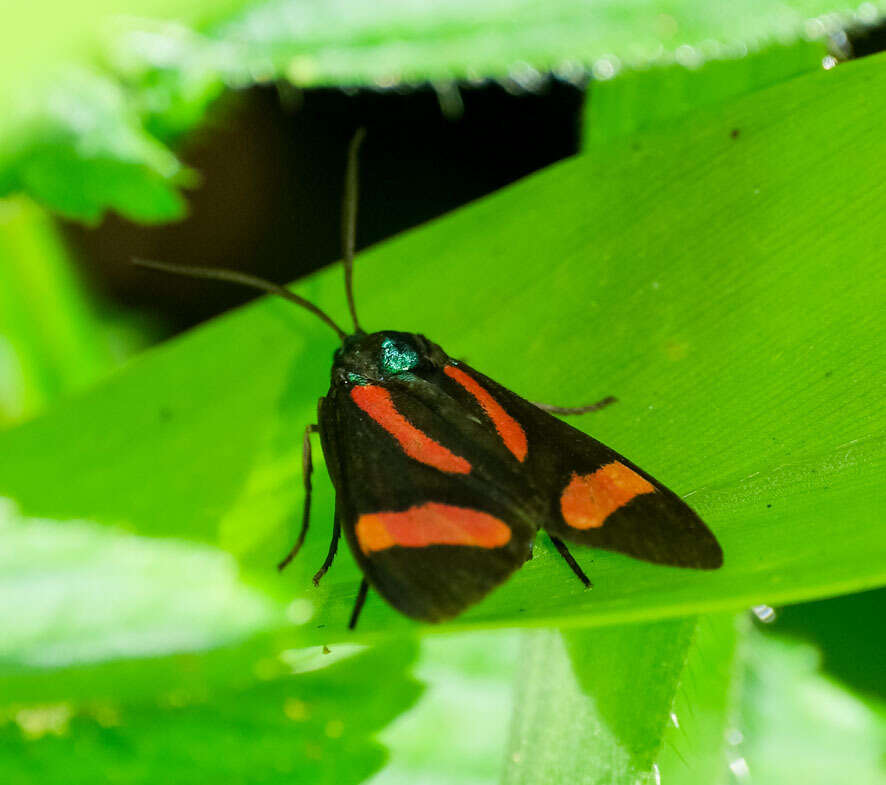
(376, 402)
(510, 431)
(430, 524)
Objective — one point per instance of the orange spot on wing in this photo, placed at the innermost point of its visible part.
(590, 499)
(372, 534)
(510, 431)
(430, 524)
(376, 402)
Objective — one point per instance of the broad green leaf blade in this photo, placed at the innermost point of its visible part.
(562, 733)
(276, 727)
(697, 745)
(553, 719)
(631, 673)
(595, 707)
(720, 287)
(643, 99)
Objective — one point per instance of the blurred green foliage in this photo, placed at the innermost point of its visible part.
(275, 729)
(148, 78)
(799, 726)
(52, 339)
(91, 140)
(705, 261)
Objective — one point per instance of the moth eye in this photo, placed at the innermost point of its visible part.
(397, 356)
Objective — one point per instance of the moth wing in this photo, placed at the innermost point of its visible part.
(594, 496)
(431, 542)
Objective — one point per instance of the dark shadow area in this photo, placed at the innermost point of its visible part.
(850, 633)
(272, 168)
(868, 41)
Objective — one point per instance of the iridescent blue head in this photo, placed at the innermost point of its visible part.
(382, 356)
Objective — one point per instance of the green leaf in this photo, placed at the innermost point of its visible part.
(584, 714)
(696, 747)
(72, 137)
(83, 151)
(600, 714)
(719, 286)
(643, 99)
(556, 730)
(250, 722)
(392, 42)
(631, 672)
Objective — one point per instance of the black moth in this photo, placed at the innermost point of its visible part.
(443, 477)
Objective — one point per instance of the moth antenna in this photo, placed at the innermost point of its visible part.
(232, 276)
(349, 220)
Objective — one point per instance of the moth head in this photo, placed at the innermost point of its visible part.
(383, 356)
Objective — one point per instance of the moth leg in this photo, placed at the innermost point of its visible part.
(358, 604)
(573, 564)
(307, 469)
(333, 548)
(591, 407)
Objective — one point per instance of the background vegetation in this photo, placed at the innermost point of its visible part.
(710, 257)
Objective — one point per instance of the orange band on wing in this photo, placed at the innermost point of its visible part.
(430, 524)
(512, 434)
(590, 499)
(376, 402)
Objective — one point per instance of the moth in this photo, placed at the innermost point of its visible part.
(443, 477)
